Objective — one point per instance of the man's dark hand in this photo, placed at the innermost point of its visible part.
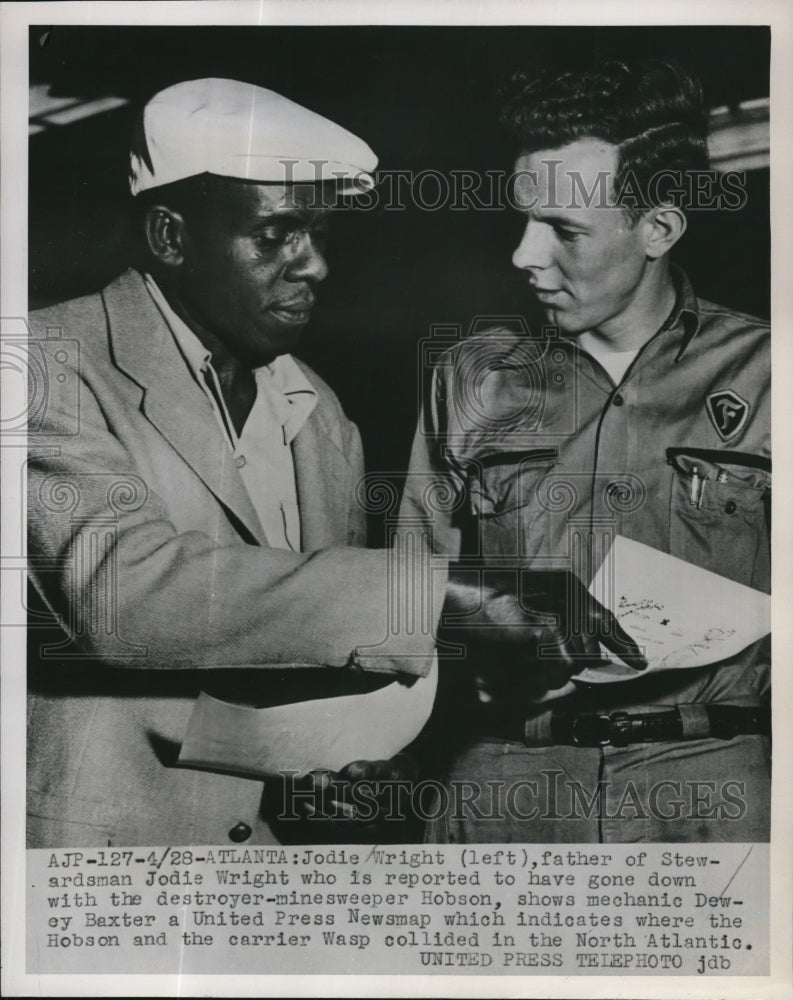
(361, 796)
(512, 616)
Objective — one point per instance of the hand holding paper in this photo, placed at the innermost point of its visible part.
(681, 615)
(549, 623)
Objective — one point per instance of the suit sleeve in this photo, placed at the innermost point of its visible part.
(356, 516)
(132, 591)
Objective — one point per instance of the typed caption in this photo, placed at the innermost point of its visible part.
(651, 909)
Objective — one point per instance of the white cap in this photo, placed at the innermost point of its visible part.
(239, 130)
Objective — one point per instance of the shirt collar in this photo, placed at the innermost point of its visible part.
(686, 309)
(291, 394)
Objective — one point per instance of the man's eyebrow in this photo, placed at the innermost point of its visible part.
(296, 216)
(571, 221)
(283, 215)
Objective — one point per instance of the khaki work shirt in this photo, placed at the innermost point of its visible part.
(537, 451)
(528, 451)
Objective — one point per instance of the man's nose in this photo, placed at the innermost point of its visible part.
(309, 260)
(534, 249)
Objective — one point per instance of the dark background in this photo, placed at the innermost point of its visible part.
(423, 98)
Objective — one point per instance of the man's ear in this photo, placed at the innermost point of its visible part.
(165, 235)
(665, 224)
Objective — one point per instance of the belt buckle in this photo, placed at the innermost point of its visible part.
(592, 730)
(602, 730)
(621, 729)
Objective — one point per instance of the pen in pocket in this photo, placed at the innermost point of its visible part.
(694, 495)
(697, 488)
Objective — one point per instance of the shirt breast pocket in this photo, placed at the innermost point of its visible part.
(720, 512)
(504, 493)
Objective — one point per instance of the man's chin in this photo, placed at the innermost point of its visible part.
(556, 318)
(272, 344)
(568, 325)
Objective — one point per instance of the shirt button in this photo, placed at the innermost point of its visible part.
(730, 507)
(240, 832)
(618, 400)
(240, 460)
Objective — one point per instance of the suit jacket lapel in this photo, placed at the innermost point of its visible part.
(145, 350)
(322, 475)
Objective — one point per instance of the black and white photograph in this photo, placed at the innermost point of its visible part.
(387, 550)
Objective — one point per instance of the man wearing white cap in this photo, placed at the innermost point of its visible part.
(199, 520)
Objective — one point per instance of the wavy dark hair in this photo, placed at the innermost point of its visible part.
(652, 110)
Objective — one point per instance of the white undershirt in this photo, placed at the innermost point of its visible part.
(263, 451)
(616, 363)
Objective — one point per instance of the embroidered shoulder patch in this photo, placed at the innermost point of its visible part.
(727, 412)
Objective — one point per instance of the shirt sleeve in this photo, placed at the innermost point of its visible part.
(434, 492)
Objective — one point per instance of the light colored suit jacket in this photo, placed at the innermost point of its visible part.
(146, 550)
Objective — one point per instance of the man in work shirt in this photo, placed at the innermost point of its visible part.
(644, 412)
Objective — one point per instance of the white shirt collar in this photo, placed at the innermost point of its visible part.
(292, 395)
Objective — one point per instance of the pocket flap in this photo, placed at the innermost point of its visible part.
(745, 474)
(505, 481)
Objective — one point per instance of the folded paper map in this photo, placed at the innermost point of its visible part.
(679, 614)
(301, 736)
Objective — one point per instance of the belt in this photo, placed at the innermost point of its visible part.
(620, 729)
